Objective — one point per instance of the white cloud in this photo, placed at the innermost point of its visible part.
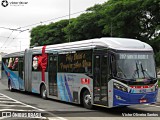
(34, 12)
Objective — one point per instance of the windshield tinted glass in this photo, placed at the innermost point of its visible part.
(135, 66)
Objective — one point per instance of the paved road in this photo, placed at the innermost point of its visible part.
(12, 108)
(56, 110)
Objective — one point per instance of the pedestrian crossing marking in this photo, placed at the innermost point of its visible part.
(9, 105)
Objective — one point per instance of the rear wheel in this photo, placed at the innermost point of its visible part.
(87, 100)
(43, 92)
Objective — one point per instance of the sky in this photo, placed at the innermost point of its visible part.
(30, 12)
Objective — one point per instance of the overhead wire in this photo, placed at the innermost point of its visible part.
(6, 39)
(17, 36)
(10, 29)
(12, 37)
(41, 22)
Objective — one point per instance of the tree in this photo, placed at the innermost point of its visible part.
(84, 27)
(139, 19)
(37, 35)
(49, 34)
(131, 19)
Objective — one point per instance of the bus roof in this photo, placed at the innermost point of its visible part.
(106, 42)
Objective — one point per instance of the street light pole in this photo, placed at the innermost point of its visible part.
(69, 16)
(69, 10)
(111, 29)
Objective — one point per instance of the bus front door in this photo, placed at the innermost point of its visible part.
(100, 79)
(52, 74)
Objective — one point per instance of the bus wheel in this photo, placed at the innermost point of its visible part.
(10, 86)
(87, 100)
(43, 92)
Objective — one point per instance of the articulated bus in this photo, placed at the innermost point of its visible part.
(107, 72)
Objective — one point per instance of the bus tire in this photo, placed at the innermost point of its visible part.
(87, 100)
(10, 86)
(43, 92)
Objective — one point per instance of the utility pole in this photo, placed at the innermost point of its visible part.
(111, 29)
(69, 16)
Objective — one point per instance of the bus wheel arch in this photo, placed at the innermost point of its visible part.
(85, 98)
(43, 91)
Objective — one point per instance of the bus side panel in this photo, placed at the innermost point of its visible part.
(64, 88)
(28, 70)
(37, 80)
(15, 80)
(110, 93)
(69, 86)
(4, 79)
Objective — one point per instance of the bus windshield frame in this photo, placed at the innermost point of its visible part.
(135, 66)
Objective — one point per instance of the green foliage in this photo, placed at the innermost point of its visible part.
(84, 27)
(49, 34)
(37, 34)
(139, 19)
(158, 58)
(121, 17)
(131, 18)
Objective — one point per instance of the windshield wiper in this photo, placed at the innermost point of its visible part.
(136, 71)
(144, 71)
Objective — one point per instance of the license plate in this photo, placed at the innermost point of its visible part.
(142, 91)
(143, 101)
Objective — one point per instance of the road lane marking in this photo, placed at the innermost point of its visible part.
(55, 117)
(3, 98)
(14, 110)
(12, 105)
(7, 102)
(152, 105)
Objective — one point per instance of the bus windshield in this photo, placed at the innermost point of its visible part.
(136, 66)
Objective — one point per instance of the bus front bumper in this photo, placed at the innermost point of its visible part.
(121, 98)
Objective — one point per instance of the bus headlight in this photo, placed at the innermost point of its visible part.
(120, 87)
